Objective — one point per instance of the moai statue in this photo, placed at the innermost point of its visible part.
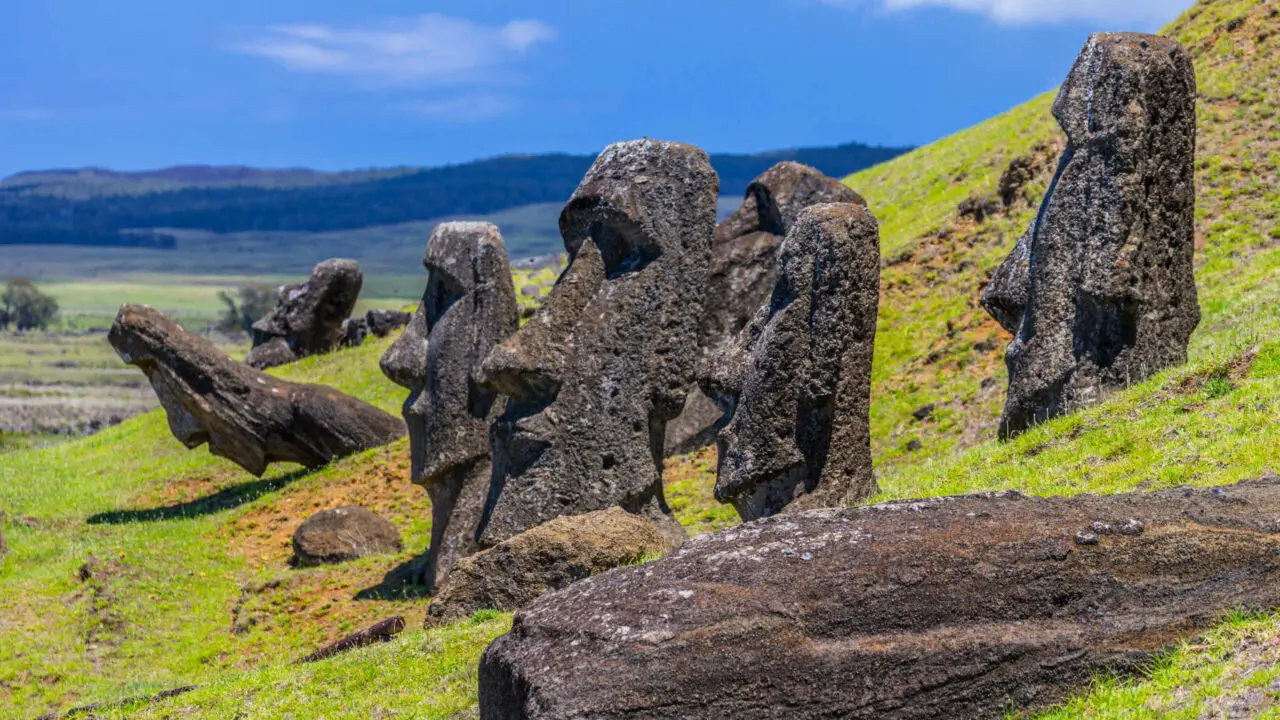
(308, 317)
(795, 384)
(596, 374)
(742, 273)
(469, 306)
(1101, 291)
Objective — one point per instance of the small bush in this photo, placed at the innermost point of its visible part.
(249, 305)
(1217, 386)
(22, 304)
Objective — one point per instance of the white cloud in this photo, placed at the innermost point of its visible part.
(1121, 14)
(465, 108)
(431, 49)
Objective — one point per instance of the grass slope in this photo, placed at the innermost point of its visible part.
(190, 582)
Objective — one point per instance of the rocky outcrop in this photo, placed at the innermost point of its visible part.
(244, 415)
(743, 271)
(384, 322)
(308, 317)
(795, 383)
(468, 307)
(343, 534)
(517, 571)
(1101, 292)
(961, 607)
(602, 366)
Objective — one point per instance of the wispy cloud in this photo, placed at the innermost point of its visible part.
(431, 49)
(1127, 13)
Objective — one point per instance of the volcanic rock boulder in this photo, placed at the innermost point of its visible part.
(354, 332)
(308, 318)
(343, 534)
(795, 383)
(468, 307)
(383, 322)
(602, 366)
(1110, 294)
(245, 415)
(948, 608)
(743, 271)
(515, 572)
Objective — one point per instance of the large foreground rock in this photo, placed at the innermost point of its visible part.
(552, 556)
(245, 415)
(596, 374)
(743, 271)
(469, 306)
(956, 607)
(795, 384)
(343, 534)
(1101, 292)
(308, 317)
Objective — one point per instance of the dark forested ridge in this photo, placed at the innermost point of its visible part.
(100, 207)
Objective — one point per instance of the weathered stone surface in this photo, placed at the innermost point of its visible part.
(468, 307)
(354, 332)
(308, 317)
(1110, 295)
(602, 366)
(743, 271)
(343, 534)
(946, 608)
(245, 415)
(384, 322)
(516, 571)
(795, 384)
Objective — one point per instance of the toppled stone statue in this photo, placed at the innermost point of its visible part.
(795, 384)
(961, 607)
(308, 317)
(383, 322)
(596, 374)
(1101, 291)
(554, 555)
(245, 415)
(743, 272)
(469, 306)
(343, 534)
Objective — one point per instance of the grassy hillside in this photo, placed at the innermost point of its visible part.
(189, 582)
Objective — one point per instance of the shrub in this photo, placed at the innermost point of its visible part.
(22, 304)
(250, 303)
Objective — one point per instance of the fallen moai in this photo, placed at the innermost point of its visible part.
(554, 555)
(1101, 291)
(308, 317)
(795, 383)
(957, 607)
(469, 305)
(245, 415)
(597, 372)
(743, 271)
(343, 534)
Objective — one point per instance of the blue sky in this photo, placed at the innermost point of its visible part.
(132, 84)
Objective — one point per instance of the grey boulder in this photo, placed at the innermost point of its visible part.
(343, 534)
(307, 319)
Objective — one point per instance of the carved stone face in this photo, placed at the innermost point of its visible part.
(795, 383)
(596, 373)
(469, 306)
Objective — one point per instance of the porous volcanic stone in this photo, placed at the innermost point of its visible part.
(795, 383)
(515, 572)
(343, 534)
(1110, 295)
(743, 272)
(602, 366)
(384, 322)
(469, 305)
(307, 319)
(354, 332)
(245, 415)
(960, 607)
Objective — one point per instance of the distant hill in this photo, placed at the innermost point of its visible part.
(93, 206)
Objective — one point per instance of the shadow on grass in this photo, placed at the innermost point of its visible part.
(399, 584)
(224, 499)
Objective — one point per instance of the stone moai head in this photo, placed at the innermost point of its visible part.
(795, 384)
(469, 306)
(1101, 291)
(594, 376)
(307, 319)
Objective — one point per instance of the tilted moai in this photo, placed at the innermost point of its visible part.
(245, 415)
(1101, 292)
(596, 374)
(468, 307)
(795, 383)
(308, 317)
(743, 271)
